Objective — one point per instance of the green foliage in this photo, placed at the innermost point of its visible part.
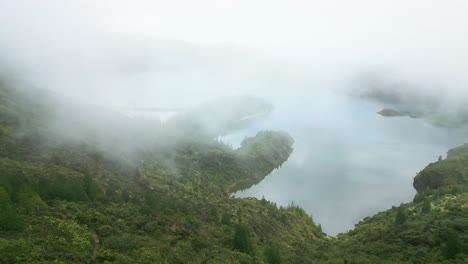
(30, 202)
(50, 239)
(242, 240)
(272, 254)
(9, 220)
(427, 206)
(453, 245)
(445, 173)
(226, 219)
(173, 211)
(91, 188)
(63, 202)
(421, 239)
(401, 215)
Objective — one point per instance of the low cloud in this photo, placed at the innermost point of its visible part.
(125, 54)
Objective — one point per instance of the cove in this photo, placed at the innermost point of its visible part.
(348, 162)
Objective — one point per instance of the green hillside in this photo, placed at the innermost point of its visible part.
(77, 189)
(77, 202)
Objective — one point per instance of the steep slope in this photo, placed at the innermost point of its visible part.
(450, 172)
(67, 199)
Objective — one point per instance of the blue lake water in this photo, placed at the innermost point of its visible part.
(348, 162)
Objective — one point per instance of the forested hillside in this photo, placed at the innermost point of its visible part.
(78, 202)
(93, 196)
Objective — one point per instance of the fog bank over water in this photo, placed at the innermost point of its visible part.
(348, 162)
(311, 59)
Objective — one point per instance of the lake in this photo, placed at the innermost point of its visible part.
(348, 162)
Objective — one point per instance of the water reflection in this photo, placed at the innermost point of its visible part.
(348, 162)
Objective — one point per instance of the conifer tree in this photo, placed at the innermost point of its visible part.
(273, 254)
(242, 241)
(453, 245)
(426, 208)
(401, 216)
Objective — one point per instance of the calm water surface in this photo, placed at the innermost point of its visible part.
(348, 161)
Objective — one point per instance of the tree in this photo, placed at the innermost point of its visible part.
(401, 216)
(8, 218)
(226, 219)
(440, 158)
(91, 188)
(30, 202)
(273, 254)
(426, 207)
(112, 192)
(453, 245)
(242, 241)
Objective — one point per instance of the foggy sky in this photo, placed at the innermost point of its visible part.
(146, 52)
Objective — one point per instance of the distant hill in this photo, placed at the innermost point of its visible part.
(402, 98)
(390, 112)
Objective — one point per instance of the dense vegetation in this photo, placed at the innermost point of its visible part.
(73, 201)
(76, 198)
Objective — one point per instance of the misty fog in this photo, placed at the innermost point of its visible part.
(315, 61)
